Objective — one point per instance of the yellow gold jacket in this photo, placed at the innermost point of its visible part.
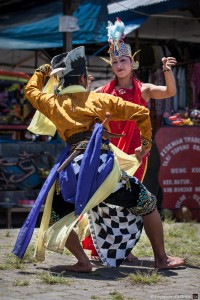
(76, 112)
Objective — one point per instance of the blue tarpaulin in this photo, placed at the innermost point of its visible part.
(41, 29)
(38, 27)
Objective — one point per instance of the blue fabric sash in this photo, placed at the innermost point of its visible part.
(27, 228)
(89, 179)
(77, 191)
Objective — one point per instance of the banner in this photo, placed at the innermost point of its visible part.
(179, 173)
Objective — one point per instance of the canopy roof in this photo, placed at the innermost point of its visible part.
(34, 24)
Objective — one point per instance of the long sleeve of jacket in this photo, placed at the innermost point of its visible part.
(76, 112)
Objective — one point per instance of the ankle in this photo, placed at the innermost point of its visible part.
(161, 258)
(84, 261)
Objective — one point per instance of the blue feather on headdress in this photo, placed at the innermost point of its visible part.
(117, 46)
(115, 31)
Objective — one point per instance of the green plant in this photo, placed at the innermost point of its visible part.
(145, 277)
(21, 283)
(49, 278)
(7, 234)
(117, 296)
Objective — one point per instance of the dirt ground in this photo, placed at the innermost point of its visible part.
(103, 283)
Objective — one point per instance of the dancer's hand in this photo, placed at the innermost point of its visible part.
(45, 68)
(140, 153)
(168, 62)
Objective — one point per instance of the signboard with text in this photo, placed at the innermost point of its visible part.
(179, 173)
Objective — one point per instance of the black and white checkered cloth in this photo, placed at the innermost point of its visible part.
(115, 231)
(78, 159)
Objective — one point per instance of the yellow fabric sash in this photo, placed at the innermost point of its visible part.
(40, 124)
(39, 249)
(128, 163)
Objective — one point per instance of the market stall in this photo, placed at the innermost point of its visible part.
(25, 158)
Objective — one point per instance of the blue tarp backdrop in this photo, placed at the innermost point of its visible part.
(38, 27)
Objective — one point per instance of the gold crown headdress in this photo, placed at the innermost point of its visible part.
(117, 46)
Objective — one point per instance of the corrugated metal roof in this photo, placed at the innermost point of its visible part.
(130, 4)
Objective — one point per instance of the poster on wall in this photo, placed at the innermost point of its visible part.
(179, 173)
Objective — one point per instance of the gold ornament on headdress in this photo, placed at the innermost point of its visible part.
(135, 64)
(106, 60)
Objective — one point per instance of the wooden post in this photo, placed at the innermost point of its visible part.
(69, 6)
(36, 59)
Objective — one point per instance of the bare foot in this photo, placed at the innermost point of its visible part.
(170, 262)
(79, 267)
(131, 257)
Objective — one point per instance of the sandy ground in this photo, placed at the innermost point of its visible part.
(102, 283)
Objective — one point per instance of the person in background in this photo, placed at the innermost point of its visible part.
(87, 177)
(126, 86)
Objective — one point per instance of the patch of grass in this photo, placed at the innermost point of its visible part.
(3, 267)
(49, 278)
(145, 277)
(143, 247)
(117, 296)
(7, 234)
(12, 263)
(67, 252)
(4, 247)
(173, 232)
(182, 239)
(29, 255)
(94, 297)
(21, 283)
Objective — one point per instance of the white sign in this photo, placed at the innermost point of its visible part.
(68, 24)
